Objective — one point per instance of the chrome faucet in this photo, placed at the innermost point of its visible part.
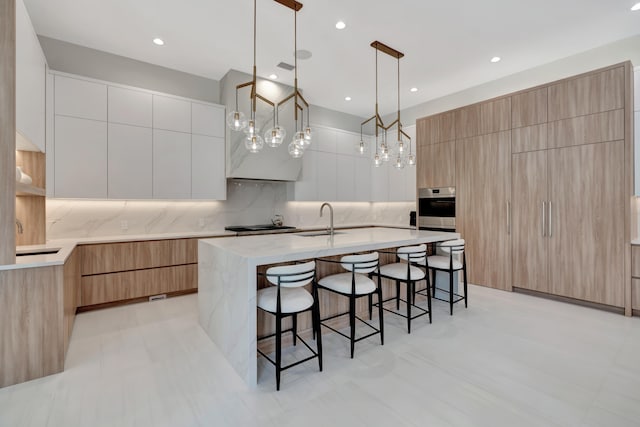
(21, 228)
(331, 215)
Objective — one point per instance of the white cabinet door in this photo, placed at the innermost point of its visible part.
(411, 192)
(80, 158)
(362, 179)
(130, 107)
(306, 187)
(130, 162)
(207, 120)
(326, 173)
(346, 178)
(80, 98)
(324, 139)
(346, 143)
(30, 81)
(171, 114)
(397, 183)
(171, 165)
(380, 183)
(50, 139)
(208, 178)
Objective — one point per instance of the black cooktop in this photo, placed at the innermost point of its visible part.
(256, 228)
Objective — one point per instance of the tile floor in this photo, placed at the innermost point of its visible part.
(508, 360)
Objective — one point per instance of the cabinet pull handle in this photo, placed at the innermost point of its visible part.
(508, 217)
(550, 219)
(544, 223)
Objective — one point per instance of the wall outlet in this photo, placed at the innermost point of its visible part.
(124, 225)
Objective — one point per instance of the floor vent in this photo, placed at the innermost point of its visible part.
(157, 297)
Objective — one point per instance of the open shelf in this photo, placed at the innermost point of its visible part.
(29, 190)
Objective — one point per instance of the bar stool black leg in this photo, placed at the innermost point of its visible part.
(464, 275)
(409, 306)
(433, 281)
(316, 328)
(380, 310)
(397, 295)
(370, 306)
(429, 298)
(352, 321)
(278, 349)
(451, 292)
(294, 327)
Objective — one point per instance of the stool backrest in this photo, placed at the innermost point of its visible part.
(292, 276)
(365, 263)
(416, 253)
(452, 246)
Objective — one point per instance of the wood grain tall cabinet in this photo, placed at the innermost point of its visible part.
(544, 183)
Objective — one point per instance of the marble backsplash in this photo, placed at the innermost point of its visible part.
(248, 202)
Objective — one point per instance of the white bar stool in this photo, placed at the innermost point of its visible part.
(355, 284)
(404, 271)
(449, 264)
(288, 298)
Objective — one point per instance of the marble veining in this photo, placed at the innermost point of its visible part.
(248, 202)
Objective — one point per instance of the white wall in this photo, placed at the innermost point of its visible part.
(248, 202)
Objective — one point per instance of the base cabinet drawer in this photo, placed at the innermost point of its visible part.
(635, 294)
(120, 257)
(104, 288)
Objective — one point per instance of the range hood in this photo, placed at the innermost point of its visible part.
(273, 164)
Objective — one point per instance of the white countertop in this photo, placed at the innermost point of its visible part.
(293, 246)
(66, 246)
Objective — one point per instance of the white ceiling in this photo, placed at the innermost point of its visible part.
(447, 44)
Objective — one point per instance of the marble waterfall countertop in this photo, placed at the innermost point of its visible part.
(227, 282)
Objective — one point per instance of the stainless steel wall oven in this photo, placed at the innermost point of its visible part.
(437, 208)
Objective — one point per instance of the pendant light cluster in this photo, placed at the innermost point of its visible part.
(400, 151)
(275, 136)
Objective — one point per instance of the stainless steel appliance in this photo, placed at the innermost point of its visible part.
(437, 208)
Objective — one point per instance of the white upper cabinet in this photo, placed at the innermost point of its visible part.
(80, 158)
(346, 178)
(207, 168)
(207, 120)
(362, 173)
(136, 144)
(130, 107)
(324, 139)
(380, 183)
(30, 83)
(130, 162)
(326, 176)
(80, 98)
(306, 187)
(171, 165)
(171, 114)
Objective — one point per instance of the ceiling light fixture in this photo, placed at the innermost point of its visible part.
(495, 59)
(340, 25)
(273, 76)
(635, 7)
(347, 98)
(274, 136)
(158, 41)
(414, 89)
(385, 152)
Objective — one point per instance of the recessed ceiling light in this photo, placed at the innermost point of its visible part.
(347, 98)
(495, 59)
(273, 76)
(340, 25)
(158, 41)
(635, 7)
(414, 89)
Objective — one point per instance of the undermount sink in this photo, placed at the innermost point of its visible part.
(38, 252)
(318, 233)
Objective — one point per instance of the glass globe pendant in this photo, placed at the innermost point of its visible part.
(236, 121)
(411, 160)
(400, 147)
(295, 150)
(399, 162)
(299, 140)
(377, 160)
(275, 136)
(254, 143)
(251, 128)
(361, 147)
(307, 135)
(385, 152)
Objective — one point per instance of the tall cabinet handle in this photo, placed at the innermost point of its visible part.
(508, 217)
(544, 222)
(550, 219)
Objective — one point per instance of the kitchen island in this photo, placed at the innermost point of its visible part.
(227, 280)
